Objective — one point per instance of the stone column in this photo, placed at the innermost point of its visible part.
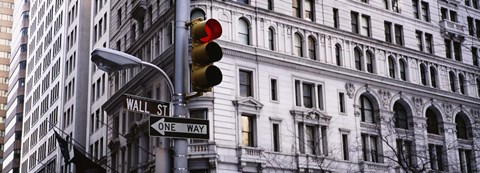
(388, 136)
(420, 141)
(451, 159)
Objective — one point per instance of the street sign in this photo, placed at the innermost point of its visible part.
(146, 105)
(179, 127)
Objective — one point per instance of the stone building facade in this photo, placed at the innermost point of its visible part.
(311, 86)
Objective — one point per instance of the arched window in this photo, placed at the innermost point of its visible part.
(391, 67)
(311, 48)
(338, 54)
(197, 13)
(403, 70)
(452, 77)
(366, 109)
(461, 81)
(400, 116)
(432, 122)
(358, 59)
(243, 32)
(271, 39)
(370, 62)
(461, 125)
(433, 76)
(297, 43)
(423, 74)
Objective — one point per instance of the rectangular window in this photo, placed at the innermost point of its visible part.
(341, 100)
(309, 10)
(415, 9)
(370, 148)
(310, 142)
(385, 3)
(471, 28)
(399, 34)
(436, 156)
(388, 31)
(374, 149)
(273, 87)
(245, 83)
(448, 48)
(119, 17)
(247, 130)
(453, 16)
(296, 8)
(475, 56)
(418, 35)
(425, 12)
(405, 151)
(308, 95)
(444, 13)
(457, 49)
(477, 26)
(475, 4)
(298, 100)
(366, 25)
(92, 120)
(336, 20)
(345, 147)
(465, 157)
(320, 97)
(439, 154)
(428, 43)
(301, 137)
(324, 140)
(276, 137)
(395, 6)
(354, 22)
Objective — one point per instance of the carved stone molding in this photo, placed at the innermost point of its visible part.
(312, 116)
(350, 88)
(418, 102)
(448, 108)
(420, 125)
(249, 102)
(357, 113)
(385, 97)
(475, 115)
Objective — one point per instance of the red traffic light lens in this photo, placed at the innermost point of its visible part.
(212, 29)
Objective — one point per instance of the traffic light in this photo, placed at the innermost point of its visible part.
(204, 75)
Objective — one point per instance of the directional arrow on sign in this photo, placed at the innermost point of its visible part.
(179, 127)
(162, 127)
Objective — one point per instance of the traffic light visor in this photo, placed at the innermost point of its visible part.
(206, 31)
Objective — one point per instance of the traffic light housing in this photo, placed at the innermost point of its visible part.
(204, 75)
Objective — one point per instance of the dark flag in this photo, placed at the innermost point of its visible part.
(83, 164)
(63, 144)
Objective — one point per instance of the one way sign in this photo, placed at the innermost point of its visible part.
(179, 127)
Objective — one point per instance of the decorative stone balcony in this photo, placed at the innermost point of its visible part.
(202, 150)
(313, 161)
(452, 30)
(139, 9)
(373, 167)
(250, 154)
